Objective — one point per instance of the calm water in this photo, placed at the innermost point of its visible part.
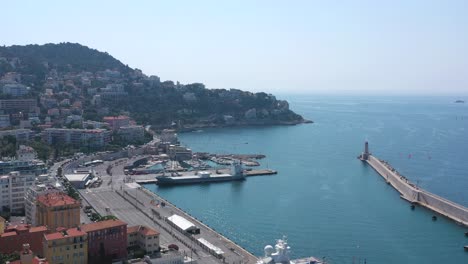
(326, 201)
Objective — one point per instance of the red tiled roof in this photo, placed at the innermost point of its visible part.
(72, 232)
(102, 225)
(37, 260)
(146, 231)
(7, 234)
(132, 229)
(37, 229)
(17, 227)
(56, 199)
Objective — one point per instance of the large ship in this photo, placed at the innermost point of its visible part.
(280, 255)
(236, 174)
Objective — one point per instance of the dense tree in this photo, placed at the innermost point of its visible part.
(8, 146)
(4, 258)
(150, 102)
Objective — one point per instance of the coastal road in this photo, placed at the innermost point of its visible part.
(105, 200)
(122, 209)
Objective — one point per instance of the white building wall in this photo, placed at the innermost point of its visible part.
(13, 190)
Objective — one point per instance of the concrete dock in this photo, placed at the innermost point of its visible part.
(249, 173)
(415, 195)
(148, 203)
(121, 196)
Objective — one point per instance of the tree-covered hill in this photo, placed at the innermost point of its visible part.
(78, 73)
(38, 59)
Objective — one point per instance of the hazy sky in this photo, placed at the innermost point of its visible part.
(408, 46)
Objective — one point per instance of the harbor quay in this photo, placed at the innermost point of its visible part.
(413, 193)
(132, 203)
(160, 210)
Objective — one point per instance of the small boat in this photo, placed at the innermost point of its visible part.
(466, 248)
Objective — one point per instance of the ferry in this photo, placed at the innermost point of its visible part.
(280, 255)
(236, 174)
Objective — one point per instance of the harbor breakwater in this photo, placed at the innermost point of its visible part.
(415, 195)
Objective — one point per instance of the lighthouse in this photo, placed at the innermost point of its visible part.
(365, 154)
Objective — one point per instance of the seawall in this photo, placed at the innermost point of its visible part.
(412, 193)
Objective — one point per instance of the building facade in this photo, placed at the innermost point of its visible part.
(26, 153)
(15, 89)
(15, 236)
(179, 153)
(69, 246)
(131, 133)
(107, 241)
(143, 237)
(4, 121)
(2, 225)
(76, 137)
(34, 167)
(57, 210)
(13, 188)
(30, 200)
(116, 122)
(23, 135)
(18, 105)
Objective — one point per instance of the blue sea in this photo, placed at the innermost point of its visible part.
(325, 200)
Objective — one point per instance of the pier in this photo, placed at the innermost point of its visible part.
(412, 193)
(249, 173)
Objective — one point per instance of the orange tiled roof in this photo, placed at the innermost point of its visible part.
(7, 234)
(146, 231)
(12, 230)
(132, 229)
(102, 225)
(72, 232)
(37, 229)
(56, 199)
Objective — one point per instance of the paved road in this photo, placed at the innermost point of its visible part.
(122, 209)
(106, 200)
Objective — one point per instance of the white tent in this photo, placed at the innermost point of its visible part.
(183, 224)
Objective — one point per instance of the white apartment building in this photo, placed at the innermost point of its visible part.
(4, 121)
(13, 188)
(26, 153)
(77, 137)
(19, 134)
(131, 133)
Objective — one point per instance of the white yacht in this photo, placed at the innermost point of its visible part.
(280, 255)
